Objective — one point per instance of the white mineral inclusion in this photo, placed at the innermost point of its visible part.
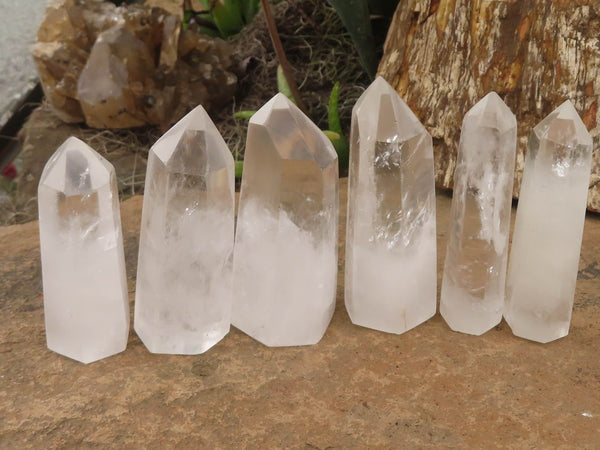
(86, 306)
(391, 233)
(184, 280)
(285, 260)
(549, 227)
(475, 270)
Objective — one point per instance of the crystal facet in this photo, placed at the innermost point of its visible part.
(391, 235)
(475, 270)
(285, 260)
(549, 227)
(86, 305)
(184, 282)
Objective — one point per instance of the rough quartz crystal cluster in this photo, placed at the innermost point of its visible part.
(285, 258)
(475, 270)
(184, 279)
(126, 66)
(549, 227)
(86, 305)
(391, 237)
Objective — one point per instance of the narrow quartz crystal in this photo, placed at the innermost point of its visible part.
(391, 238)
(86, 307)
(285, 260)
(475, 270)
(184, 281)
(549, 227)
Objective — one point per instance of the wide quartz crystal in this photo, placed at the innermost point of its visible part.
(391, 235)
(184, 280)
(285, 260)
(549, 227)
(86, 305)
(475, 270)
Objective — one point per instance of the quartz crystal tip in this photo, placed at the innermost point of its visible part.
(548, 229)
(184, 280)
(391, 239)
(472, 292)
(285, 257)
(86, 306)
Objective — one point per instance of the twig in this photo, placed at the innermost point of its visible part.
(280, 52)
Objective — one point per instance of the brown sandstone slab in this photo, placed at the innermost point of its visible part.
(356, 388)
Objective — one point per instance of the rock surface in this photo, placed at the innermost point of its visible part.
(443, 56)
(120, 67)
(356, 388)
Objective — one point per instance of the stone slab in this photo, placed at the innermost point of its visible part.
(356, 388)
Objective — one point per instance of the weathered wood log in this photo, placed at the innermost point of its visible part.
(442, 56)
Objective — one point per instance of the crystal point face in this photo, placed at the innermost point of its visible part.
(86, 306)
(184, 282)
(391, 233)
(549, 227)
(285, 261)
(475, 269)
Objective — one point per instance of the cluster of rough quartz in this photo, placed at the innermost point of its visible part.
(391, 272)
(98, 62)
(86, 305)
(184, 284)
(549, 227)
(285, 257)
(472, 294)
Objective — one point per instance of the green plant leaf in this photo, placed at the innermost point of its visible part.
(333, 116)
(239, 169)
(227, 15)
(282, 84)
(356, 19)
(243, 114)
(249, 10)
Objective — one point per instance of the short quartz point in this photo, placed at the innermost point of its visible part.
(549, 227)
(86, 306)
(184, 281)
(391, 232)
(472, 294)
(285, 260)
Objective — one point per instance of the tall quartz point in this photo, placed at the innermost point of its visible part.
(391, 237)
(475, 270)
(184, 281)
(549, 227)
(285, 260)
(86, 305)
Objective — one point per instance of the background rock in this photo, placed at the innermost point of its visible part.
(442, 56)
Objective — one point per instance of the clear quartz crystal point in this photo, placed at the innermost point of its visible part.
(475, 270)
(549, 227)
(391, 234)
(86, 306)
(184, 280)
(285, 261)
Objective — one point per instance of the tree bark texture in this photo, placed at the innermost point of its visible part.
(442, 56)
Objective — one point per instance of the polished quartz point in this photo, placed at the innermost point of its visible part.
(475, 270)
(391, 233)
(86, 307)
(285, 260)
(184, 282)
(549, 227)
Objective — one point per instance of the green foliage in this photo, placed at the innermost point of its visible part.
(223, 18)
(355, 15)
(282, 84)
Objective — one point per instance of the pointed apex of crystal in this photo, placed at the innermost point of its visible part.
(193, 145)
(395, 116)
(75, 168)
(292, 134)
(492, 112)
(564, 126)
